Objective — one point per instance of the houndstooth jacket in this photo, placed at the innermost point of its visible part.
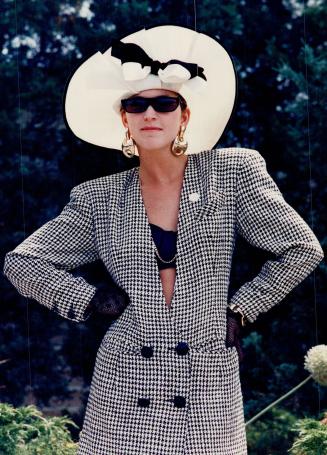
(164, 382)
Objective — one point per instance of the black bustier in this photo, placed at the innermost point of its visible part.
(165, 242)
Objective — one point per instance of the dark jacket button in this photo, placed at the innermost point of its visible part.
(182, 348)
(147, 351)
(143, 402)
(179, 401)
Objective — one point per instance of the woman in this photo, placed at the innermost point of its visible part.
(166, 378)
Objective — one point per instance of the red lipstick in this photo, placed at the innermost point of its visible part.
(150, 128)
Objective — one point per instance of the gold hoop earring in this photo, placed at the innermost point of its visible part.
(128, 146)
(179, 145)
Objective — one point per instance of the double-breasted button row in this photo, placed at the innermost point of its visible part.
(182, 348)
(179, 402)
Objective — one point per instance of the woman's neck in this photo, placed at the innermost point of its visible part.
(161, 169)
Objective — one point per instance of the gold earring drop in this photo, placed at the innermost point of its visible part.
(128, 146)
(179, 145)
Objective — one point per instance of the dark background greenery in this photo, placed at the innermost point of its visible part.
(280, 56)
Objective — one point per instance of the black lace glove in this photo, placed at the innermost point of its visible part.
(234, 331)
(109, 300)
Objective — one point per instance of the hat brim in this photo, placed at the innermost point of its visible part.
(94, 90)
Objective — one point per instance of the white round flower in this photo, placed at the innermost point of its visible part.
(315, 361)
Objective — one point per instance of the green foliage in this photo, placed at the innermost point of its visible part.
(271, 434)
(312, 437)
(25, 431)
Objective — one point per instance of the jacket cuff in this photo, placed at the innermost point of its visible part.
(251, 302)
(74, 304)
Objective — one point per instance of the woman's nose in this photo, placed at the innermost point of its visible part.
(150, 113)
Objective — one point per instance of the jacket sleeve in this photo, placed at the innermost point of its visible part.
(39, 266)
(267, 221)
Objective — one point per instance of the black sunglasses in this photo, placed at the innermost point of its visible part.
(159, 104)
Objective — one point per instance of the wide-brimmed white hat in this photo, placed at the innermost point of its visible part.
(167, 57)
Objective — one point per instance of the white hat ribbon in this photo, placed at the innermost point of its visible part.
(136, 65)
(174, 73)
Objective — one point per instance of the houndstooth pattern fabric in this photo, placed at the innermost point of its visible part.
(164, 382)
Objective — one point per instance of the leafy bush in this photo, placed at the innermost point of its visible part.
(312, 438)
(271, 435)
(25, 431)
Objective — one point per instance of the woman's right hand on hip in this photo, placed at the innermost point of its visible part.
(109, 300)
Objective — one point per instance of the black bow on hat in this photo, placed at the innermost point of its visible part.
(131, 52)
